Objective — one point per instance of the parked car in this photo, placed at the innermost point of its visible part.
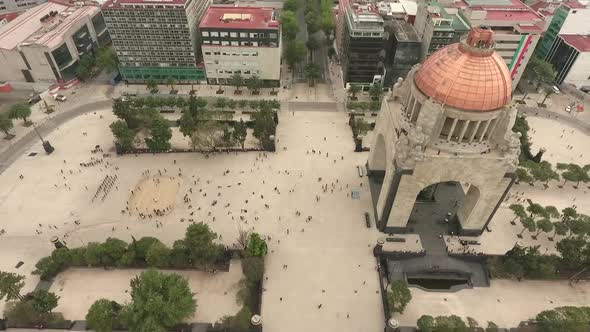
(34, 99)
(59, 97)
(556, 89)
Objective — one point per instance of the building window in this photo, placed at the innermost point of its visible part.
(223, 34)
(273, 35)
(205, 34)
(216, 53)
(216, 42)
(244, 34)
(207, 53)
(253, 35)
(254, 43)
(214, 34)
(233, 34)
(224, 42)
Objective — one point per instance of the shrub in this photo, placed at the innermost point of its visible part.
(158, 255)
(78, 256)
(103, 315)
(253, 268)
(142, 246)
(256, 246)
(46, 268)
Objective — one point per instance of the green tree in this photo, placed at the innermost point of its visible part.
(313, 22)
(20, 111)
(11, 285)
(312, 73)
(103, 315)
(353, 90)
(170, 82)
(221, 102)
(207, 135)
(544, 225)
(158, 255)
(544, 172)
(529, 224)
(492, 327)
(46, 268)
(537, 210)
(552, 212)
(574, 252)
(359, 127)
(568, 214)
(289, 25)
(159, 301)
(254, 83)
(426, 323)
(21, 312)
(124, 111)
(312, 44)
(111, 251)
(124, 136)
(398, 296)
(295, 53)
(256, 246)
(451, 323)
(179, 255)
(152, 85)
(571, 319)
(141, 247)
(85, 66)
(160, 135)
(240, 132)
(187, 124)
(540, 70)
(6, 124)
(519, 211)
(376, 91)
(578, 226)
(237, 80)
(199, 241)
(290, 5)
(264, 127)
(107, 59)
(560, 228)
(43, 301)
(253, 268)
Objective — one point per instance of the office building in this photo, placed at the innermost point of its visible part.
(570, 56)
(15, 6)
(571, 17)
(45, 43)
(156, 39)
(403, 50)
(438, 26)
(242, 40)
(517, 29)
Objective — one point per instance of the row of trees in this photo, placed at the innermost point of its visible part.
(220, 103)
(196, 250)
(531, 172)
(398, 296)
(547, 218)
(451, 323)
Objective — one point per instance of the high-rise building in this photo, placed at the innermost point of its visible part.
(157, 39)
(242, 40)
(438, 26)
(403, 50)
(570, 56)
(571, 17)
(517, 29)
(45, 43)
(15, 6)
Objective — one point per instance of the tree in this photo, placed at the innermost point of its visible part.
(552, 212)
(6, 124)
(152, 85)
(264, 127)
(578, 227)
(537, 209)
(11, 285)
(540, 70)
(253, 268)
(580, 174)
(123, 135)
(46, 268)
(548, 92)
(560, 228)
(256, 246)
(519, 211)
(85, 66)
(103, 315)
(208, 135)
(43, 301)
(312, 73)
(353, 90)
(426, 323)
(398, 296)
(544, 225)
(20, 111)
(312, 44)
(289, 25)
(236, 80)
(254, 83)
(529, 224)
(544, 172)
(290, 5)
(158, 255)
(572, 252)
(221, 103)
(159, 301)
(240, 132)
(107, 59)
(451, 323)
(160, 135)
(170, 81)
(571, 319)
(359, 127)
(492, 327)
(187, 124)
(295, 53)
(568, 214)
(199, 241)
(141, 247)
(376, 91)
(312, 20)
(473, 324)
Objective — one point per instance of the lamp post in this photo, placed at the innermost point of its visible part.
(46, 145)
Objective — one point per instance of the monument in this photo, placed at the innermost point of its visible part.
(447, 125)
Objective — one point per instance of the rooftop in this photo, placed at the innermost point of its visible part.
(9, 17)
(240, 18)
(579, 42)
(43, 25)
(130, 3)
(404, 31)
(511, 15)
(448, 13)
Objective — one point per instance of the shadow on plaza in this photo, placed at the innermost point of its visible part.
(433, 215)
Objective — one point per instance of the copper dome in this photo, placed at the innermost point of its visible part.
(469, 75)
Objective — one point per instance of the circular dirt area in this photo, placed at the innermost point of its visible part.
(154, 193)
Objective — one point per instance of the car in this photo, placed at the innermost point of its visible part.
(568, 109)
(34, 99)
(555, 89)
(59, 97)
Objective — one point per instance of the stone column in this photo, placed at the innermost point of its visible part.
(452, 130)
(463, 130)
(485, 129)
(474, 132)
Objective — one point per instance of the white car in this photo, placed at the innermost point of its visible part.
(556, 89)
(59, 97)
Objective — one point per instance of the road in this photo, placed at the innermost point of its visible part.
(565, 118)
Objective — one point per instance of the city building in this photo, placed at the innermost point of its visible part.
(15, 6)
(438, 26)
(571, 17)
(157, 39)
(45, 43)
(361, 44)
(518, 29)
(403, 50)
(242, 40)
(570, 56)
(5, 18)
(444, 136)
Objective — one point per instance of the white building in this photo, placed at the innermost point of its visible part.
(45, 43)
(570, 56)
(14, 6)
(243, 40)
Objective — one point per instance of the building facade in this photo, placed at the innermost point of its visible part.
(15, 6)
(570, 16)
(438, 26)
(448, 125)
(45, 43)
(156, 39)
(241, 40)
(518, 29)
(403, 50)
(570, 56)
